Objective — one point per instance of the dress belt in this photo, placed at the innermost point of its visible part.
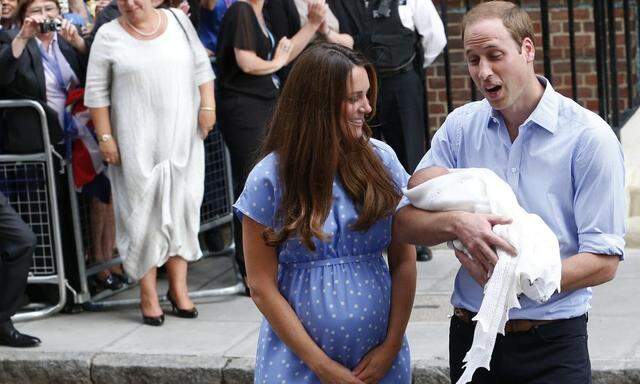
(335, 261)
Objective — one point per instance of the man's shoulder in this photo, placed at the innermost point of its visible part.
(468, 114)
(580, 121)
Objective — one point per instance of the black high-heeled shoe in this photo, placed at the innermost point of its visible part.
(184, 313)
(155, 321)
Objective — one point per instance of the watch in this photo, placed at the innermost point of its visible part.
(104, 138)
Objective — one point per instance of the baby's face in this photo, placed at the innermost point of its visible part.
(425, 175)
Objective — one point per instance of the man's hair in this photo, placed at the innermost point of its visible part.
(21, 12)
(514, 18)
(314, 143)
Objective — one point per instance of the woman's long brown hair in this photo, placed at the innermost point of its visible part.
(311, 137)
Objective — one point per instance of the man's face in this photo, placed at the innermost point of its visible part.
(499, 67)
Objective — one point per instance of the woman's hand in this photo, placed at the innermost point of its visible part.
(206, 121)
(316, 12)
(323, 29)
(109, 150)
(376, 363)
(70, 33)
(283, 50)
(30, 27)
(336, 373)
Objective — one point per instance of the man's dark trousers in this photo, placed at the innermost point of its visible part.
(17, 242)
(550, 353)
(400, 116)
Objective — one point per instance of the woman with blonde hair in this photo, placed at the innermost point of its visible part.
(316, 215)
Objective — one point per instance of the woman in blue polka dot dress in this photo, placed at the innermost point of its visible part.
(317, 215)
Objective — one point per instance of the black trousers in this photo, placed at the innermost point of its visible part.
(549, 353)
(17, 242)
(242, 120)
(400, 116)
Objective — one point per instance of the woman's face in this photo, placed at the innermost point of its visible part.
(356, 106)
(9, 8)
(46, 8)
(133, 9)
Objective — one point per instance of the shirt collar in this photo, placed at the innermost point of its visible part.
(545, 115)
(54, 42)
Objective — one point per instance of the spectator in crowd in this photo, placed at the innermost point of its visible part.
(80, 16)
(108, 12)
(211, 14)
(285, 20)
(401, 38)
(100, 6)
(103, 232)
(248, 59)
(111, 11)
(40, 66)
(314, 234)
(149, 88)
(7, 14)
(43, 66)
(564, 163)
(17, 242)
(329, 30)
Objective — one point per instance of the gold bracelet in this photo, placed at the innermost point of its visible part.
(212, 109)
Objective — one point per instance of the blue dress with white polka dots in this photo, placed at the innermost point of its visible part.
(341, 292)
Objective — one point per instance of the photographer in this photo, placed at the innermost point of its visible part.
(41, 61)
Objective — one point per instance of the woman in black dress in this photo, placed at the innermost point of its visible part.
(248, 58)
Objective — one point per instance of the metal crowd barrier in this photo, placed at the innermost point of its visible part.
(28, 181)
(215, 212)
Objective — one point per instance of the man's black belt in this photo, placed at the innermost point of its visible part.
(512, 326)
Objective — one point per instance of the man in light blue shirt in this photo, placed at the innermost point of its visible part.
(563, 162)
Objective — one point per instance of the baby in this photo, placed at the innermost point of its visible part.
(426, 174)
(534, 272)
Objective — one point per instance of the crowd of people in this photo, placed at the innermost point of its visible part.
(321, 105)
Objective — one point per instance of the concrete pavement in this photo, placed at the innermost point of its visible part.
(113, 346)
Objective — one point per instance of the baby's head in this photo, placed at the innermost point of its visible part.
(425, 175)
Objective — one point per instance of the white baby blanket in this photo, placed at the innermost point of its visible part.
(535, 271)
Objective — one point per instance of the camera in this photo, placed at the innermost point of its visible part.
(50, 25)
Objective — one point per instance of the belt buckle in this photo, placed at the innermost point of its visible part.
(463, 315)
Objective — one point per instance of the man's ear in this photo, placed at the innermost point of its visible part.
(528, 49)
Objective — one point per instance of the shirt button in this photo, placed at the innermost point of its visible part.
(514, 170)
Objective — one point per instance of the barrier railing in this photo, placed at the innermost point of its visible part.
(28, 181)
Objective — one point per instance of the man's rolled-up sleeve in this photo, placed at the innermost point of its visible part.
(599, 200)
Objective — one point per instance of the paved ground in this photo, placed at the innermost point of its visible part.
(114, 347)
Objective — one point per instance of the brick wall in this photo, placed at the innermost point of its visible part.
(587, 91)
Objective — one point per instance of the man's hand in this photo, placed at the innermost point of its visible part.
(475, 232)
(475, 268)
